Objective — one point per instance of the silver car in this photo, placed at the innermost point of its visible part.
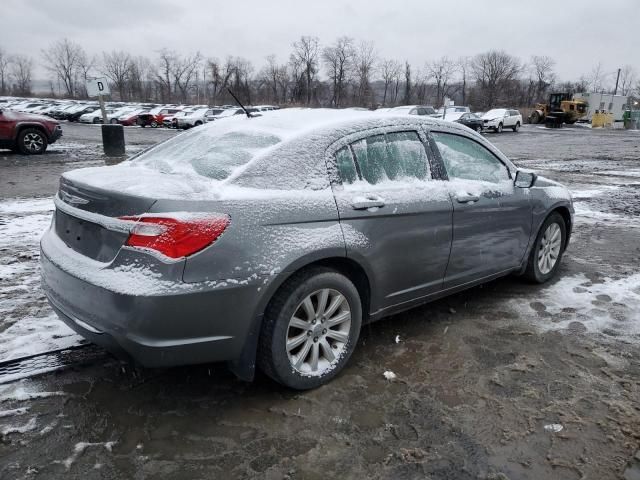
(270, 241)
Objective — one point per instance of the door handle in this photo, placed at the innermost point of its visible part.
(467, 198)
(367, 201)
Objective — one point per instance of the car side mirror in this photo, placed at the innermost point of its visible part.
(525, 179)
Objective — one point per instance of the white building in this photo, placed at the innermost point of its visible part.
(608, 102)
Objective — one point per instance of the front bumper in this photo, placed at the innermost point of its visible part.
(196, 323)
(56, 134)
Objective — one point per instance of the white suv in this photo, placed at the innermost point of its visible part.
(500, 118)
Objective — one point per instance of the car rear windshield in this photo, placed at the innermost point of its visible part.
(208, 153)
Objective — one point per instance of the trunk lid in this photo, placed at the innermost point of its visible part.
(80, 217)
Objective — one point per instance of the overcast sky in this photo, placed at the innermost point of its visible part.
(576, 33)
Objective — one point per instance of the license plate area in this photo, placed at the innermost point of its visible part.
(87, 238)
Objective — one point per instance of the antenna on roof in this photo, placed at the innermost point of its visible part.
(239, 103)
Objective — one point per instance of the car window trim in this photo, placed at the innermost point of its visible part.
(437, 150)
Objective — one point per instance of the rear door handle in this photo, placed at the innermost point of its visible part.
(467, 198)
(367, 201)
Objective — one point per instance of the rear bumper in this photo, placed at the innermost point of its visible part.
(196, 323)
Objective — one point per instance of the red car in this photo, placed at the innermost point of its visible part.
(26, 133)
(155, 117)
(131, 118)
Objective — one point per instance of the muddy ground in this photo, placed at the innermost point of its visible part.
(485, 379)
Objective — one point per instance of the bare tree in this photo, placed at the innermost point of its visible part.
(21, 70)
(407, 83)
(215, 83)
(305, 55)
(596, 78)
(269, 76)
(627, 79)
(4, 71)
(63, 59)
(163, 77)
(140, 78)
(442, 72)
(185, 71)
(390, 71)
(338, 59)
(86, 64)
(492, 71)
(364, 64)
(420, 86)
(542, 69)
(463, 66)
(117, 67)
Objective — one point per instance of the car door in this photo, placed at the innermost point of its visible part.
(6, 127)
(491, 217)
(395, 217)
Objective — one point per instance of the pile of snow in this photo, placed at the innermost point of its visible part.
(612, 306)
(27, 324)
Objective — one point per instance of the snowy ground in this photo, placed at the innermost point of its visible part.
(468, 387)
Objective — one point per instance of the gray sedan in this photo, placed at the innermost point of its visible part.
(270, 241)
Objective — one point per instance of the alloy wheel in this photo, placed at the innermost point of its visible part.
(318, 332)
(549, 248)
(33, 142)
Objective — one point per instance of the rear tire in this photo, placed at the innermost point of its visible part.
(154, 124)
(31, 141)
(113, 121)
(537, 270)
(516, 127)
(294, 340)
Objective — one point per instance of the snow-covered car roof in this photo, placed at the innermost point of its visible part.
(495, 112)
(281, 151)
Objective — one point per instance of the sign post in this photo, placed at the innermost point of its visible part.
(112, 135)
(98, 87)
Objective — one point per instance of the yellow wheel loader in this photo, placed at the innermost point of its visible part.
(560, 109)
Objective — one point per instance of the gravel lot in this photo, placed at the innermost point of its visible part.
(504, 381)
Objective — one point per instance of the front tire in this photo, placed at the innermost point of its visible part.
(545, 256)
(310, 329)
(31, 141)
(113, 121)
(499, 129)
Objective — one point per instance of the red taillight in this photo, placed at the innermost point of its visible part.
(176, 237)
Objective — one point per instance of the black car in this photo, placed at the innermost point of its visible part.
(470, 120)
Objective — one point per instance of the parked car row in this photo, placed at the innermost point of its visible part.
(127, 114)
(496, 119)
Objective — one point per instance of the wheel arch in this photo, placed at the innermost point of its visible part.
(244, 366)
(564, 212)
(22, 126)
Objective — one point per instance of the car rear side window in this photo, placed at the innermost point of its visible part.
(466, 159)
(393, 156)
(346, 166)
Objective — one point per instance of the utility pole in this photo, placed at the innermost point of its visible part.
(617, 80)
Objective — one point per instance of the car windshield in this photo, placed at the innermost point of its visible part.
(496, 112)
(208, 153)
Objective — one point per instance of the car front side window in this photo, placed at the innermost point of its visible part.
(466, 159)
